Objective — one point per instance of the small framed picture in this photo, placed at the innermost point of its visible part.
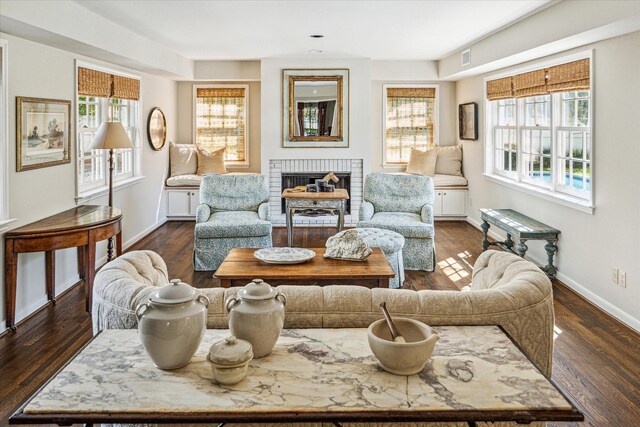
(43, 131)
(468, 121)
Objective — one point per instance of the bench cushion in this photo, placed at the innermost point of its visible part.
(441, 180)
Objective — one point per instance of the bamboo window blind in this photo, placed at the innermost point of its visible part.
(221, 121)
(409, 122)
(104, 85)
(572, 76)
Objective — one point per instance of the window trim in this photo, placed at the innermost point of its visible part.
(4, 137)
(560, 197)
(232, 163)
(436, 118)
(82, 195)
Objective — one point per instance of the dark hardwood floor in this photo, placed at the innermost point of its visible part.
(596, 358)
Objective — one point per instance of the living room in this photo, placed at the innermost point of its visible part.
(452, 55)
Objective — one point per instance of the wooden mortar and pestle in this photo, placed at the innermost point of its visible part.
(395, 335)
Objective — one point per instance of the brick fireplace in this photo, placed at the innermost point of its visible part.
(349, 170)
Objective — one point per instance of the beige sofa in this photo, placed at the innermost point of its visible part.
(506, 291)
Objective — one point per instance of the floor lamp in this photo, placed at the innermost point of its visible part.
(110, 136)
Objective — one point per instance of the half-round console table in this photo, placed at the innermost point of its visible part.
(79, 227)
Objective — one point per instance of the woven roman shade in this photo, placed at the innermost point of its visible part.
(533, 83)
(104, 85)
(217, 92)
(569, 77)
(221, 121)
(500, 89)
(411, 92)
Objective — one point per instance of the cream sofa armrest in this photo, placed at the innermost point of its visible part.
(264, 212)
(427, 214)
(366, 211)
(203, 213)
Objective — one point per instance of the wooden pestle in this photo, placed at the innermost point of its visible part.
(395, 335)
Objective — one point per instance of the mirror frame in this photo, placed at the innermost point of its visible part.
(290, 76)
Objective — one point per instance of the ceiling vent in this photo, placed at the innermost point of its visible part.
(466, 57)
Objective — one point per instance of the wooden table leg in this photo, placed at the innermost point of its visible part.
(50, 274)
(521, 248)
(119, 244)
(91, 271)
(341, 218)
(225, 283)
(82, 262)
(383, 282)
(10, 276)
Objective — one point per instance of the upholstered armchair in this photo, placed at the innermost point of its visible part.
(404, 204)
(233, 213)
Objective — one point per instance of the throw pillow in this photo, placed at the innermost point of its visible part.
(449, 160)
(211, 161)
(183, 159)
(422, 162)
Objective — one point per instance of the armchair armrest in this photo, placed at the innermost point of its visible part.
(366, 211)
(427, 214)
(203, 213)
(264, 212)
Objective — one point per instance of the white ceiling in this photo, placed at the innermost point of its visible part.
(244, 30)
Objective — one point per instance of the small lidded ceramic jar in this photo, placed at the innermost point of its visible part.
(256, 314)
(229, 360)
(172, 323)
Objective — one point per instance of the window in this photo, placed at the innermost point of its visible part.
(410, 117)
(105, 97)
(221, 120)
(539, 130)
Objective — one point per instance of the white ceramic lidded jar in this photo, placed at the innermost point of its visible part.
(172, 323)
(256, 314)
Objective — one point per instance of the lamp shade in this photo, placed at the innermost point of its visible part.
(111, 135)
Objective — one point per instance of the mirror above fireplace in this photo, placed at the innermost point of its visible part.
(315, 108)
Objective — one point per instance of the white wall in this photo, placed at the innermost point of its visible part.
(590, 245)
(36, 70)
(359, 107)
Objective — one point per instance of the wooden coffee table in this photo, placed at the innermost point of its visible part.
(313, 375)
(240, 267)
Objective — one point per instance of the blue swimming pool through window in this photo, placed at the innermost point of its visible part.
(579, 182)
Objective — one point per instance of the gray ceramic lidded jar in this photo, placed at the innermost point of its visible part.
(256, 314)
(171, 324)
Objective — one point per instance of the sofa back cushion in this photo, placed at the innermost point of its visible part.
(398, 193)
(234, 192)
(183, 159)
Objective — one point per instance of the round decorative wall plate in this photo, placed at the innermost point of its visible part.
(157, 129)
(284, 255)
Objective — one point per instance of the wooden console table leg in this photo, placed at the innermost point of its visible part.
(485, 241)
(10, 276)
(82, 262)
(91, 271)
(225, 283)
(521, 248)
(119, 244)
(50, 274)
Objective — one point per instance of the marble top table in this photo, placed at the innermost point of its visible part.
(476, 373)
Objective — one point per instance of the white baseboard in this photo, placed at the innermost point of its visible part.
(591, 297)
(41, 302)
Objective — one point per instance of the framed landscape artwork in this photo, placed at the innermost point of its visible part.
(468, 121)
(43, 129)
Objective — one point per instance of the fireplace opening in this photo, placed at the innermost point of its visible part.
(293, 179)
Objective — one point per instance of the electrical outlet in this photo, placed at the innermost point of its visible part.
(622, 279)
(614, 276)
